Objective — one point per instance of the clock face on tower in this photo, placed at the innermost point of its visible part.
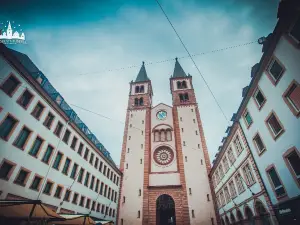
(161, 115)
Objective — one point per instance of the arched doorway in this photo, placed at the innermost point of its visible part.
(227, 220)
(232, 218)
(239, 217)
(263, 215)
(165, 210)
(222, 221)
(249, 216)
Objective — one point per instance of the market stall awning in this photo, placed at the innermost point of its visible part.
(102, 222)
(76, 219)
(25, 209)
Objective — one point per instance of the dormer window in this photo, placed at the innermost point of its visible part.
(181, 84)
(184, 97)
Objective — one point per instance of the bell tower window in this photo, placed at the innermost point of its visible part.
(141, 101)
(184, 97)
(181, 85)
(137, 89)
(142, 89)
(136, 102)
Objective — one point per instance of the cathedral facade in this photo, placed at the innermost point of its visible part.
(164, 158)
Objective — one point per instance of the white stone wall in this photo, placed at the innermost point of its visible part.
(289, 56)
(242, 198)
(35, 165)
(133, 177)
(195, 172)
(188, 84)
(146, 86)
(162, 124)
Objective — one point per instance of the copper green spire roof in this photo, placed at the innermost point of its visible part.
(178, 71)
(142, 75)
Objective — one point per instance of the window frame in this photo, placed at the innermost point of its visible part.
(76, 141)
(44, 123)
(41, 146)
(51, 188)
(39, 185)
(42, 112)
(287, 100)
(30, 100)
(294, 39)
(56, 128)
(288, 164)
(49, 160)
(68, 169)
(17, 87)
(233, 195)
(269, 75)
(70, 193)
(13, 128)
(248, 183)
(11, 170)
(26, 142)
(274, 136)
(272, 166)
(60, 194)
(259, 106)
(68, 138)
(76, 200)
(59, 164)
(259, 152)
(26, 178)
(244, 118)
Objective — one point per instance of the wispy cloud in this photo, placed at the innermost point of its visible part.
(135, 33)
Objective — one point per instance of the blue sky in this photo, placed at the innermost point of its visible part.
(75, 42)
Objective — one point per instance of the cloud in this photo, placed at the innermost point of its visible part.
(135, 34)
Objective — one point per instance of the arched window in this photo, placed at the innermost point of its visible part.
(137, 89)
(142, 89)
(156, 135)
(136, 102)
(181, 97)
(186, 97)
(263, 215)
(184, 84)
(141, 101)
(178, 84)
(169, 135)
(162, 135)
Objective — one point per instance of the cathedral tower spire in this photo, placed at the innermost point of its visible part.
(164, 157)
(142, 75)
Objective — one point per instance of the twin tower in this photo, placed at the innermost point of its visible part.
(164, 159)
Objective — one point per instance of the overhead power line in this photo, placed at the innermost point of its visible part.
(162, 61)
(190, 56)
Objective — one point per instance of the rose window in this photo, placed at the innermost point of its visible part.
(163, 155)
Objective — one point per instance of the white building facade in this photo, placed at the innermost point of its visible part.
(270, 111)
(47, 152)
(240, 193)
